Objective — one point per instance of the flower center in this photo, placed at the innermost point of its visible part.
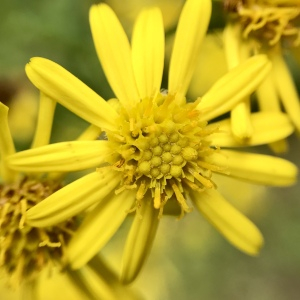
(267, 21)
(163, 148)
(26, 250)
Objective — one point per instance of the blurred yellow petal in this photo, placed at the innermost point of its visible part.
(232, 44)
(7, 146)
(234, 226)
(148, 52)
(139, 241)
(267, 96)
(73, 198)
(114, 52)
(211, 57)
(44, 121)
(91, 133)
(100, 284)
(102, 270)
(278, 147)
(286, 88)
(60, 157)
(99, 226)
(69, 91)
(268, 127)
(234, 86)
(59, 286)
(268, 100)
(258, 168)
(241, 125)
(192, 26)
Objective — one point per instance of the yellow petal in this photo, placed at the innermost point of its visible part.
(278, 147)
(91, 133)
(102, 270)
(73, 198)
(61, 157)
(192, 26)
(69, 91)
(93, 286)
(139, 241)
(234, 226)
(286, 88)
(148, 42)
(241, 125)
(267, 96)
(44, 121)
(7, 146)
(257, 168)
(98, 227)
(99, 282)
(268, 127)
(232, 44)
(114, 52)
(238, 83)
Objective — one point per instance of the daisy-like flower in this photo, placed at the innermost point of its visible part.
(158, 150)
(264, 26)
(27, 252)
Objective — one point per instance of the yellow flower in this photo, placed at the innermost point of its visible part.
(264, 26)
(25, 250)
(28, 252)
(157, 150)
(128, 10)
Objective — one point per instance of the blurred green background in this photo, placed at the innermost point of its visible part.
(189, 259)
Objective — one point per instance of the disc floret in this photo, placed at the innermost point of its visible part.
(268, 21)
(163, 147)
(26, 250)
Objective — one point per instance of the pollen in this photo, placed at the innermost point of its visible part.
(172, 145)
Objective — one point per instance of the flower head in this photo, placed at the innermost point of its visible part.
(267, 20)
(264, 26)
(158, 149)
(26, 250)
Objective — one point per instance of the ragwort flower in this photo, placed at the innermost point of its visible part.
(157, 150)
(25, 250)
(28, 252)
(264, 26)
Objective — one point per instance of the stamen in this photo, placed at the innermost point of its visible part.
(23, 204)
(46, 241)
(206, 182)
(141, 191)
(157, 196)
(180, 198)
